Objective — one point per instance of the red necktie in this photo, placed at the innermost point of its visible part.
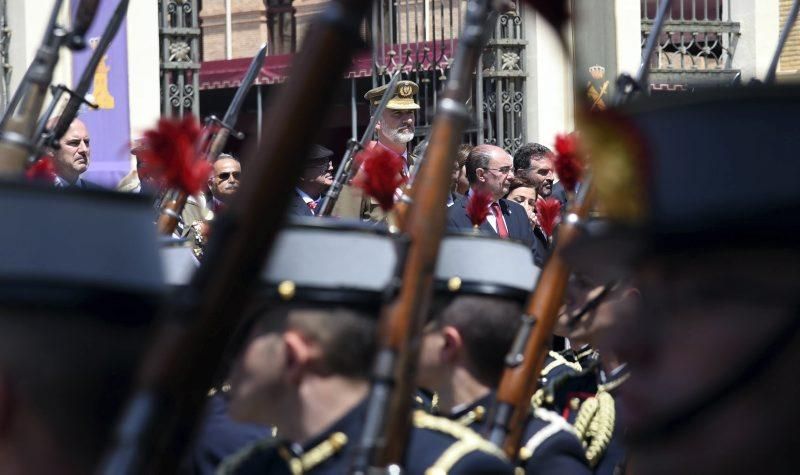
(312, 205)
(502, 230)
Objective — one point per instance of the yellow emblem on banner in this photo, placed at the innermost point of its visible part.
(101, 95)
(597, 91)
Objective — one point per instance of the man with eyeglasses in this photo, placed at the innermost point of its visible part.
(533, 165)
(490, 168)
(71, 158)
(316, 179)
(223, 184)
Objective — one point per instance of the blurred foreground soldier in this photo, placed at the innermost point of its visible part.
(465, 344)
(714, 349)
(75, 311)
(305, 366)
(394, 130)
(72, 157)
(316, 180)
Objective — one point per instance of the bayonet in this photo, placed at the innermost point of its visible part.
(228, 123)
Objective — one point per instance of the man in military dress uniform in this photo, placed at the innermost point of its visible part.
(305, 366)
(479, 303)
(714, 349)
(394, 130)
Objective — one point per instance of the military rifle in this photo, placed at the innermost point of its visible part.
(353, 147)
(525, 359)
(388, 419)
(215, 133)
(77, 97)
(17, 139)
(164, 414)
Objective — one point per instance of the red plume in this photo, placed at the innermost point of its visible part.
(567, 163)
(171, 153)
(549, 213)
(478, 206)
(42, 171)
(380, 174)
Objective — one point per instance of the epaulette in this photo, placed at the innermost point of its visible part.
(595, 425)
(232, 463)
(555, 424)
(467, 441)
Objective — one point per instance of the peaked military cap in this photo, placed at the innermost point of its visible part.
(732, 179)
(403, 99)
(56, 252)
(478, 264)
(323, 261)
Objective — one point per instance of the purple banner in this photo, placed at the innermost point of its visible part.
(109, 125)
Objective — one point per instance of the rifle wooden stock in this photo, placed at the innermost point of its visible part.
(164, 415)
(388, 421)
(524, 362)
(170, 214)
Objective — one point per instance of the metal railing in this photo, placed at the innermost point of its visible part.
(697, 45)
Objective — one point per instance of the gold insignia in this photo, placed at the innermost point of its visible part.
(454, 284)
(405, 90)
(286, 290)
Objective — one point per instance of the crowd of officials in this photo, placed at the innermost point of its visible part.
(674, 345)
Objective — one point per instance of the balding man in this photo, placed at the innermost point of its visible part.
(71, 158)
(490, 168)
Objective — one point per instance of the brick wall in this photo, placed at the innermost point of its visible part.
(248, 27)
(790, 58)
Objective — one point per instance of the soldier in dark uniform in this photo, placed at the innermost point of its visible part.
(713, 249)
(464, 346)
(75, 311)
(305, 366)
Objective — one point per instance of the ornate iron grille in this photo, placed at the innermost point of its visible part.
(5, 66)
(418, 38)
(697, 45)
(179, 34)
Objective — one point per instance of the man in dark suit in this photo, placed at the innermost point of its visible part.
(71, 158)
(491, 168)
(316, 179)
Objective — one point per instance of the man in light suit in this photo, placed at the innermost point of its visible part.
(491, 168)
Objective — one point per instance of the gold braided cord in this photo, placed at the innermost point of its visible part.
(584, 418)
(467, 441)
(475, 415)
(559, 360)
(601, 428)
(323, 451)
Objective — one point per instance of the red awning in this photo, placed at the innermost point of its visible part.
(228, 73)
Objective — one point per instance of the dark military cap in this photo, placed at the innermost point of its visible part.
(57, 252)
(717, 168)
(479, 264)
(403, 98)
(333, 261)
